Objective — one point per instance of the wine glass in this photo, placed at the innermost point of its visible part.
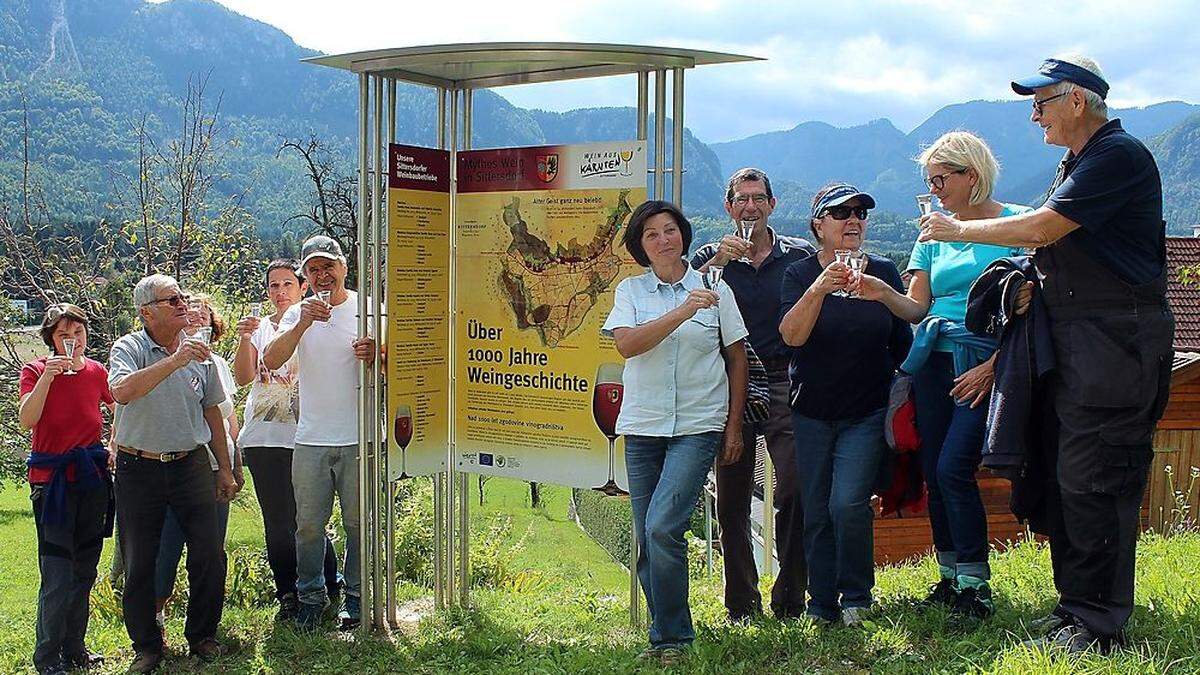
(256, 310)
(69, 348)
(842, 255)
(203, 334)
(607, 394)
(404, 432)
(745, 228)
(858, 262)
(712, 276)
(626, 157)
(925, 203)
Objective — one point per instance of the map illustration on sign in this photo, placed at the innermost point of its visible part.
(551, 290)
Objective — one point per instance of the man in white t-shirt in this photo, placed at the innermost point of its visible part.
(322, 331)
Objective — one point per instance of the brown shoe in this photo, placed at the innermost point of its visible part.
(145, 662)
(207, 650)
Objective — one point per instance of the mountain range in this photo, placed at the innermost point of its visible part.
(87, 70)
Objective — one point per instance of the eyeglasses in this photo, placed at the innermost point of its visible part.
(842, 212)
(1038, 105)
(938, 182)
(759, 200)
(176, 300)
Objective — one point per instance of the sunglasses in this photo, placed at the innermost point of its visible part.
(842, 212)
(174, 300)
(938, 182)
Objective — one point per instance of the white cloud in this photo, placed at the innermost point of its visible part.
(844, 62)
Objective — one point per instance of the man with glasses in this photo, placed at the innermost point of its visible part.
(754, 270)
(1100, 254)
(168, 413)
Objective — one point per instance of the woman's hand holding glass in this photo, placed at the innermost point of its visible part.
(835, 277)
(698, 299)
(866, 287)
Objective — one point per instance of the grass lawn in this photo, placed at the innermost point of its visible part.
(568, 613)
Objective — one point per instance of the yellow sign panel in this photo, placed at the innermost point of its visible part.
(538, 257)
(418, 310)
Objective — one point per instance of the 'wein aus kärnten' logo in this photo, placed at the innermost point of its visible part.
(608, 163)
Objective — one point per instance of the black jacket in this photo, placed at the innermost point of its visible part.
(1020, 438)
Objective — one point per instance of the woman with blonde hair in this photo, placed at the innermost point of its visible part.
(951, 367)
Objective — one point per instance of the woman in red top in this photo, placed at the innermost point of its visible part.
(61, 396)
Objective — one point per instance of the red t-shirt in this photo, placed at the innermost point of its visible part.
(71, 416)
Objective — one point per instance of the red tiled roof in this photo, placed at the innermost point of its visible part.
(1184, 297)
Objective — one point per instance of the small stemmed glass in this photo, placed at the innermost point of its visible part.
(69, 347)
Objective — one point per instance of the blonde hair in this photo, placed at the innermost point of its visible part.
(963, 150)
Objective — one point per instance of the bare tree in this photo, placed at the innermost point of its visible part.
(334, 207)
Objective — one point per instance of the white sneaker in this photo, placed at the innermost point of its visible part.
(854, 616)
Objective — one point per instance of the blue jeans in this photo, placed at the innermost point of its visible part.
(951, 447)
(170, 550)
(319, 472)
(665, 478)
(837, 462)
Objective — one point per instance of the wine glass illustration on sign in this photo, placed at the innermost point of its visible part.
(69, 348)
(404, 433)
(626, 157)
(607, 394)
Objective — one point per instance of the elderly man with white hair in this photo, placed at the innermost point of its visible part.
(1101, 260)
(168, 413)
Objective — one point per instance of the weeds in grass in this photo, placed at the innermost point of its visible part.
(1181, 518)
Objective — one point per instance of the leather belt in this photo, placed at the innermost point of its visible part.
(163, 457)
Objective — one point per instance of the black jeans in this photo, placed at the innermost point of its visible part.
(68, 552)
(735, 485)
(145, 488)
(272, 472)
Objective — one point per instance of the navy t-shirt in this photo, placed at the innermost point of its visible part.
(845, 369)
(1112, 190)
(757, 290)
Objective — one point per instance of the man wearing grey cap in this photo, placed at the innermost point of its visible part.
(322, 331)
(1101, 257)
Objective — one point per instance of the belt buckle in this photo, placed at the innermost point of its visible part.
(165, 457)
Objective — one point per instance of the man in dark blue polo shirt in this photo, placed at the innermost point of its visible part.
(754, 270)
(1101, 256)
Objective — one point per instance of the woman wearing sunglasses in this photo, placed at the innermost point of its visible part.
(845, 354)
(952, 368)
(60, 399)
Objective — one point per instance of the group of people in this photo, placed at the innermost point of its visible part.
(174, 458)
(833, 327)
(830, 326)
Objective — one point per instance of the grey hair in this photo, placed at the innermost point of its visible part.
(147, 289)
(1094, 104)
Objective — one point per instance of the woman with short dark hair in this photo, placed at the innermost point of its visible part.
(685, 381)
(70, 484)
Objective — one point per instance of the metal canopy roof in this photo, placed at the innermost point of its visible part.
(482, 65)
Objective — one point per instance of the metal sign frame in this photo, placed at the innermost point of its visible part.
(455, 71)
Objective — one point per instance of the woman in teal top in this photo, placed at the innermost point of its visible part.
(952, 368)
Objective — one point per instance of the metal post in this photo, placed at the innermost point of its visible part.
(643, 103)
(439, 478)
(381, 255)
(677, 139)
(708, 529)
(364, 478)
(769, 516)
(464, 525)
(635, 600)
(451, 594)
(660, 133)
(378, 595)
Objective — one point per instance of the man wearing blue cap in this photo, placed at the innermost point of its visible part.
(1100, 253)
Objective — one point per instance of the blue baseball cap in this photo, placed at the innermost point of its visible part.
(1054, 71)
(838, 194)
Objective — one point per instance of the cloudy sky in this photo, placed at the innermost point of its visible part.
(842, 61)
